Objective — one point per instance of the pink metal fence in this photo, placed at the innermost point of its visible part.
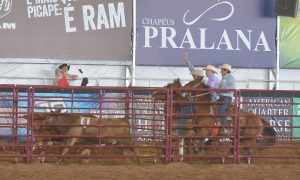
(43, 123)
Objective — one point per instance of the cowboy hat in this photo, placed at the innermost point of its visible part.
(62, 65)
(197, 72)
(211, 68)
(226, 67)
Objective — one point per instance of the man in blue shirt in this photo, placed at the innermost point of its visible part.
(227, 82)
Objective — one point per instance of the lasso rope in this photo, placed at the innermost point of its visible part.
(199, 95)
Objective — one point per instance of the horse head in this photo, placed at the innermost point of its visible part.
(162, 95)
(175, 84)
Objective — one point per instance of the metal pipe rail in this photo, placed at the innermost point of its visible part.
(47, 124)
(245, 83)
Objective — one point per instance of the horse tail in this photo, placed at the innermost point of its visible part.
(269, 133)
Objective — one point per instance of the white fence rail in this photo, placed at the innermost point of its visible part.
(151, 82)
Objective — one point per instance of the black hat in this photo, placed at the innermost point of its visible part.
(84, 81)
(62, 65)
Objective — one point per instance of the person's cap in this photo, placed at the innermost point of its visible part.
(198, 72)
(63, 65)
(226, 67)
(211, 68)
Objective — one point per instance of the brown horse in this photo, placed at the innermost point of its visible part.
(178, 102)
(252, 128)
(162, 96)
(252, 131)
(85, 130)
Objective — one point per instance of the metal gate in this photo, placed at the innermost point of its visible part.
(43, 123)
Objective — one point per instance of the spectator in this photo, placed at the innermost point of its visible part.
(62, 76)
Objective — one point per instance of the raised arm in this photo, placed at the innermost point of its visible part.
(187, 62)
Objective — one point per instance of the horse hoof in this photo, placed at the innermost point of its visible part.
(85, 152)
(85, 161)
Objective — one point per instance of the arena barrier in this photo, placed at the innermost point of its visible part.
(46, 124)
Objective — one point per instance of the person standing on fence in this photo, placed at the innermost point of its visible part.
(227, 82)
(62, 76)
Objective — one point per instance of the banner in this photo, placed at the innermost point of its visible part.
(240, 33)
(289, 42)
(296, 120)
(273, 109)
(66, 29)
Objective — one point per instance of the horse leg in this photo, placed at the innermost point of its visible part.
(202, 143)
(181, 149)
(190, 149)
(136, 152)
(85, 152)
(195, 143)
(70, 142)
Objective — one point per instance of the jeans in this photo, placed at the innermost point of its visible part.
(182, 119)
(225, 102)
(214, 96)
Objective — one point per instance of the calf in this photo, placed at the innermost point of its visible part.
(85, 129)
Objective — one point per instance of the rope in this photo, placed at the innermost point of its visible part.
(196, 85)
(200, 95)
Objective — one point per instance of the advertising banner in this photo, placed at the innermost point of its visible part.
(66, 29)
(296, 118)
(289, 56)
(273, 109)
(240, 33)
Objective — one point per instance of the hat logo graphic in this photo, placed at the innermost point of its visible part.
(5, 7)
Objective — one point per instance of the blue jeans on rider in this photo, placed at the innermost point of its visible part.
(225, 102)
(214, 96)
(182, 119)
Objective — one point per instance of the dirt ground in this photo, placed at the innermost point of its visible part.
(155, 171)
(123, 169)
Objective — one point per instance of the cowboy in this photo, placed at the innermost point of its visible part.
(188, 109)
(213, 81)
(62, 76)
(198, 75)
(227, 82)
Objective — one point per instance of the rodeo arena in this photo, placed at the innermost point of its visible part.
(149, 89)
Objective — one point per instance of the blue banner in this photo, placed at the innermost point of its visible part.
(240, 33)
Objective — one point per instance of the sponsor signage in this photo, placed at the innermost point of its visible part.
(240, 33)
(66, 29)
(276, 110)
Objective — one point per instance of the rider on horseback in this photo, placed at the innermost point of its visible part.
(212, 82)
(227, 82)
(210, 71)
(188, 109)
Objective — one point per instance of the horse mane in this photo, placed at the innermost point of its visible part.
(176, 83)
(162, 95)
